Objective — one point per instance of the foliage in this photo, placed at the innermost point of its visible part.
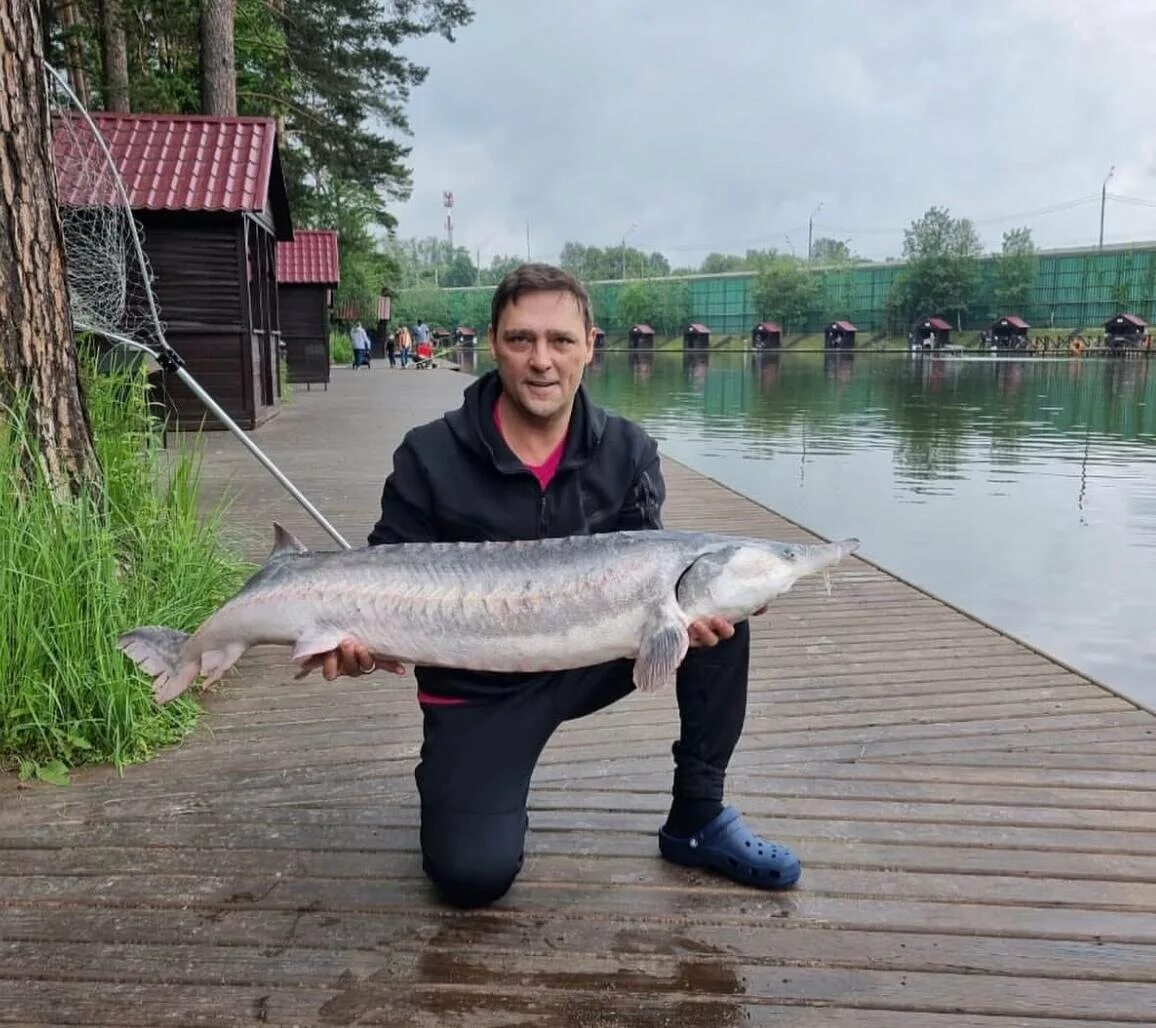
(423, 303)
(1015, 270)
(595, 264)
(942, 272)
(721, 263)
(784, 291)
(76, 573)
(665, 306)
(500, 266)
(832, 251)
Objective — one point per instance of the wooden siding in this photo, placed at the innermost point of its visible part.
(304, 316)
(196, 267)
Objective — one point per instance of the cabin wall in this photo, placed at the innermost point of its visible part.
(305, 331)
(198, 263)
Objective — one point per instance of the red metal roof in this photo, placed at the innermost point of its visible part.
(938, 324)
(1130, 319)
(466, 330)
(769, 326)
(175, 162)
(1015, 322)
(311, 258)
(701, 329)
(643, 328)
(844, 326)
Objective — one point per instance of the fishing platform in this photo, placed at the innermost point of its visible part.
(977, 823)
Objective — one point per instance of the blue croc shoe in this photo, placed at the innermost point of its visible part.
(726, 844)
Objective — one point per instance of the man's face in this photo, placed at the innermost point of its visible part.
(541, 346)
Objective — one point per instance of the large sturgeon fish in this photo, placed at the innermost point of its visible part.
(542, 605)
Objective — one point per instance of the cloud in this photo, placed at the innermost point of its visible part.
(718, 127)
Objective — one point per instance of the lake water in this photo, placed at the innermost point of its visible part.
(1022, 490)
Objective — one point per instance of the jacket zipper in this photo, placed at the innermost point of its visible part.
(542, 522)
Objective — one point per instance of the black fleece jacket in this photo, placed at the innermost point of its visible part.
(456, 480)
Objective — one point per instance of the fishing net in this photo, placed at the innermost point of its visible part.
(109, 282)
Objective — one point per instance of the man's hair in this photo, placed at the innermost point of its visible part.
(538, 278)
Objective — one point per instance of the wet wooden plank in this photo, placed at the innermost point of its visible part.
(978, 826)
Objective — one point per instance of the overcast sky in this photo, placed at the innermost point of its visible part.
(692, 126)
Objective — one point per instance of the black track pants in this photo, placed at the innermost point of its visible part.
(477, 759)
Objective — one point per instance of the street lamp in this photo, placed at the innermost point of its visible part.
(811, 230)
(1103, 200)
(624, 235)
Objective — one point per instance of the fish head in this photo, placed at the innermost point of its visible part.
(737, 579)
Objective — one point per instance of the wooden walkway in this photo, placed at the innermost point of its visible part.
(978, 826)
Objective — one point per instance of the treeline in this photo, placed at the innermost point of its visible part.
(329, 71)
(942, 276)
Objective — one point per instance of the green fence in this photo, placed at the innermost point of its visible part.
(1072, 289)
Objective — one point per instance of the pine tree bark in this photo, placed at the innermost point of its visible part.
(71, 21)
(114, 57)
(38, 362)
(218, 58)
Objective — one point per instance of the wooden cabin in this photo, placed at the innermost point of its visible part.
(696, 337)
(379, 334)
(1125, 332)
(839, 335)
(931, 334)
(1009, 332)
(465, 336)
(210, 197)
(766, 335)
(308, 271)
(641, 337)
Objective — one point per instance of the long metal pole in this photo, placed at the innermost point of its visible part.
(1103, 200)
(166, 356)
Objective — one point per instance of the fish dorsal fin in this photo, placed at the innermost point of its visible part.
(285, 542)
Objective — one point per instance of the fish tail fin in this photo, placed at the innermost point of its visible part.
(156, 650)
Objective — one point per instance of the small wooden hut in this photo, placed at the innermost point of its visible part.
(380, 336)
(599, 338)
(1125, 332)
(210, 196)
(696, 337)
(932, 333)
(641, 337)
(465, 336)
(1010, 332)
(839, 335)
(307, 273)
(766, 335)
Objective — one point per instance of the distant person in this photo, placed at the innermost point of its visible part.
(360, 339)
(404, 344)
(421, 333)
(391, 349)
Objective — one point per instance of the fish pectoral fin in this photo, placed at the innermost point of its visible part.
(319, 640)
(664, 644)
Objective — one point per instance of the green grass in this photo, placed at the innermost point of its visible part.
(74, 573)
(340, 348)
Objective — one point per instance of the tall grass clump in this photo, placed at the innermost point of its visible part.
(340, 348)
(76, 572)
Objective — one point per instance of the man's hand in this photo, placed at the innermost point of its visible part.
(707, 632)
(350, 659)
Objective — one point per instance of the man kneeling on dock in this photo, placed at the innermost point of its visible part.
(528, 455)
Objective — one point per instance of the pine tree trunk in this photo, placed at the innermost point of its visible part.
(68, 13)
(114, 57)
(218, 59)
(37, 354)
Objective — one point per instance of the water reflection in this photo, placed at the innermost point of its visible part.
(1021, 489)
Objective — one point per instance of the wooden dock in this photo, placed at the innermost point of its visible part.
(977, 823)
